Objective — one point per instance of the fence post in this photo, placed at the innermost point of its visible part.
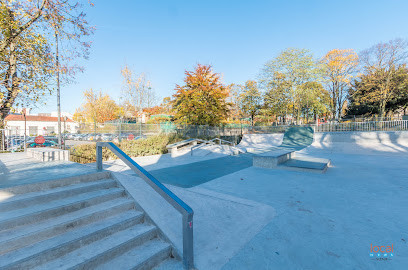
(120, 130)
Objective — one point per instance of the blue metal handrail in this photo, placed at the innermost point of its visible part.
(170, 197)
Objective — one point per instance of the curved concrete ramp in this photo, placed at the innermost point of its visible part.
(369, 143)
(297, 137)
(294, 138)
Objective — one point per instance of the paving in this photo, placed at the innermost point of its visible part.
(255, 218)
(18, 169)
(197, 173)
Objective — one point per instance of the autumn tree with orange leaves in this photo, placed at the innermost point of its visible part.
(340, 68)
(202, 100)
(98, 108)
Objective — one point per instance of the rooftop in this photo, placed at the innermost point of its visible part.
(20, 117)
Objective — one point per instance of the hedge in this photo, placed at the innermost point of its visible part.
(86, 153)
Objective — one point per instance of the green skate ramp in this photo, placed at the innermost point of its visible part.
(297, 138)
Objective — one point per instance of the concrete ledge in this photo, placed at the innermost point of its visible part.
(174, 147)
(48, 154)
(306, 164)
(272, 159)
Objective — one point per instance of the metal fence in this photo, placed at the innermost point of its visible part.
(395, 125)
(11, 142)
(114, 132)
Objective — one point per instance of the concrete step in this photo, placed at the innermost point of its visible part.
(43, 211)
(58, 246)
(27, 235)
(32, 198)
(145, 256)
(170, 264)
(111, 250)
(305, 163)
(49, 184)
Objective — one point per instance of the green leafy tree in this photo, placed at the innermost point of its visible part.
(277, 99)
(251, 100)
(296, 67)
(202, 100)
(315, 100)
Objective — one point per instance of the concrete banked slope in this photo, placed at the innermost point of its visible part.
(82, 222)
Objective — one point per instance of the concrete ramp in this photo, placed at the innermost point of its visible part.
(283, 156)
(366, 143)
(260, 142)
(297, 138)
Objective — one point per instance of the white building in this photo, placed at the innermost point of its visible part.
(38, 125)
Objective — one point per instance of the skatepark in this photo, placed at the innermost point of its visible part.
(290, 214)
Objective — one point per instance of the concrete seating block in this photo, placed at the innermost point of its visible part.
(48, 154)
(272, 159)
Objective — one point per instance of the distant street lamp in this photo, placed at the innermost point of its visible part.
(25, 129)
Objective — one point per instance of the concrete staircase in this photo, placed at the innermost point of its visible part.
(82, 222)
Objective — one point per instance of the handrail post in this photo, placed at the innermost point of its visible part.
(99, 157)
(188, 248)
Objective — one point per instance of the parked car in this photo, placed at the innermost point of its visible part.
(47, 143)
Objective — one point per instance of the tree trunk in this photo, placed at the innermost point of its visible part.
(11, 83)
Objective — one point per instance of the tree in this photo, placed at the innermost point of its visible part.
(27, 31)
(315, 100)
(366, 90)
(137, 92)
(381, 63)
(251, 100)
(277, 99)
(98, 108)
(166, 105)
(296, 67)
(202, 100)
(340, 67)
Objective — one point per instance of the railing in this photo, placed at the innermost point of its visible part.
(210, 142)
(220, 141)
(396, 125)
(170, 197)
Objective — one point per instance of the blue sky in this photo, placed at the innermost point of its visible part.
(164, 38)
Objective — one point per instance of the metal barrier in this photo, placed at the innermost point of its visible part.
(396, 125)
(170, 197)
(210, 142)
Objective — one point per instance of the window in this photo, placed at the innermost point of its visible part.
(50, 130)
(33, 130)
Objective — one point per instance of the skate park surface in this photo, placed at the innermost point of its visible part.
(254, 218)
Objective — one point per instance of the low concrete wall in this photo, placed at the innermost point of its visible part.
(48, 154)
(374, 142)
